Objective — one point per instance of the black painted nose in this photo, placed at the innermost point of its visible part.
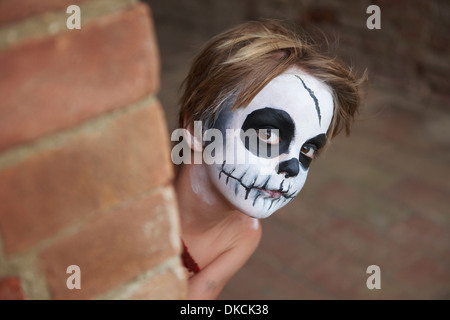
(289, 167)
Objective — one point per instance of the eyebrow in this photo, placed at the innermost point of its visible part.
(316, 102)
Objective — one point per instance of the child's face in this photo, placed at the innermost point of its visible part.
(289, 117)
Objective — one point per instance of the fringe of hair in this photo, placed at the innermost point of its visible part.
(236, 65)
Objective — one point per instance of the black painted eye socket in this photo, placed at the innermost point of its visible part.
(310, 148)
(260, 121)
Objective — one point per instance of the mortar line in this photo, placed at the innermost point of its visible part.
(74, 227)
(23, 151)
(126, 290)
(54, 22)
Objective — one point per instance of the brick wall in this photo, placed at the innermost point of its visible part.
(85, 170)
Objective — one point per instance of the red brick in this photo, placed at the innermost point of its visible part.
(166, 285)
(52, 83)
(93, 170)
(10, 289)
(113, 248)
(16, 10)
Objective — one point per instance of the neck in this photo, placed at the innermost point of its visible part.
(200, 204)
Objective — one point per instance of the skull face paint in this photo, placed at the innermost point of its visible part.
(292, 112)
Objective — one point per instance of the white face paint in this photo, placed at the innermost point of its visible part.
(301, 108)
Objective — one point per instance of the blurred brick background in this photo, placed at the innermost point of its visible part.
(83, 181)
(380, 196)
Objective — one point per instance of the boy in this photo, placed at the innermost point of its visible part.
(259, 105)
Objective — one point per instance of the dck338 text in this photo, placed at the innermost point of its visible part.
(246, 309)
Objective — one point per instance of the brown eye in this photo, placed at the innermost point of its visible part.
(308, 151)
(269, 136)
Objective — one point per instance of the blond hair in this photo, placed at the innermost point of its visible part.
(236, 65)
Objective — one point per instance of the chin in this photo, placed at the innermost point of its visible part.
(263, 208)
(257, 215)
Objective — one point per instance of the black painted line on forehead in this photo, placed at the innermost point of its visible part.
(316, 102)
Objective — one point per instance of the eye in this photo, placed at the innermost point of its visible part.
(309, 151)
(270, 136)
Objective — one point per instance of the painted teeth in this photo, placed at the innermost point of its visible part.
(239, 182)
(257, 196)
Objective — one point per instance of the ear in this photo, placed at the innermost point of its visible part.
(193, 135)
